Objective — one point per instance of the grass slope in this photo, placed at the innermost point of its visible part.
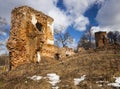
(97, 66)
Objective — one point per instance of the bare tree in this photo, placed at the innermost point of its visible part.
(119, 39)
(90, 35)
(84, 42)
(63, 39)
(110, 37)
(114, 37)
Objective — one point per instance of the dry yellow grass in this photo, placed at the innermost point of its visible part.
(97, 66)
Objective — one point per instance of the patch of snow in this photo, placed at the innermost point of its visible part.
(78, 80)
(51, 27)
(38, 57)
(102, 82)
(117, 80)
(116, 83)
(34, 20)
(35, 78)
(100, 85)
(53, 79)
(50, 42)
(56, 87)
(26, 81)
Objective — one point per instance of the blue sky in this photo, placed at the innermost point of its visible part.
(74, 16)
(90, 13)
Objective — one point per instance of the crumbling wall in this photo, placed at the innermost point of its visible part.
(31, 32)
(65, 52)
(81, 49)
(101, 39)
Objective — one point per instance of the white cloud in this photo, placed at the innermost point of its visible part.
(40, 5)
(106, 28)
(61, 20)
(47, 6)
(75, 10)
(43, 5)
(73, 15)
(97, 28)
(109, 16)
(3, 49)
(3, 39)
(81, 22)
(73, 44)
(77, 7)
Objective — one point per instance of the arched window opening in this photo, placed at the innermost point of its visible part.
(39, 26)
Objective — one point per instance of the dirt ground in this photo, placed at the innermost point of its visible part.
(96, 65)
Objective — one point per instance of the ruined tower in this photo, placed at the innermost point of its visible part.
(101, 39)
(31, 36)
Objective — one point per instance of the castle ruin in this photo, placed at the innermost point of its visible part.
(31, 36)
(101, 39)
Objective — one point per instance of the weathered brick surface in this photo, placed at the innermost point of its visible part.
(65, 52)
(31, 32)
(101, 39)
